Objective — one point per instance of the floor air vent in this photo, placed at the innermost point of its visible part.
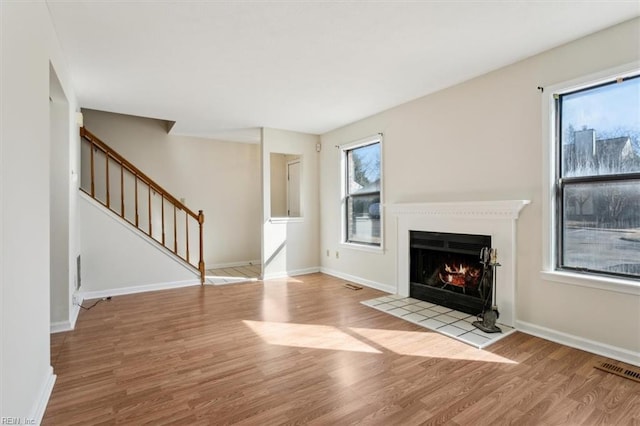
(629, 373)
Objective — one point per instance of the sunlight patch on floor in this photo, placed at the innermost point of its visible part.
(369, 340)
(307, 336)
(425, 344)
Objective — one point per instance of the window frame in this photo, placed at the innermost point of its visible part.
(553, 188)
(344, 194)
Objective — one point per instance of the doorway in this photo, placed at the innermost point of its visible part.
(60, 273)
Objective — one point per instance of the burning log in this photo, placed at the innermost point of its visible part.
(460, 275)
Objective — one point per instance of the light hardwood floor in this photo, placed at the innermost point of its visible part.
(303, 350)
(233, 274)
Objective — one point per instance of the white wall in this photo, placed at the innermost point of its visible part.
(482, 140)
(29, 44)
(59, 185)
(291, 246)
(116, 257)
(221, 178)
(278, 184)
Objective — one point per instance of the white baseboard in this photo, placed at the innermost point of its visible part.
(97, 294)
(40, 405)
(577, 342)
(60, 326)
(368, 283)
(292, 273)
(70, 324)
(75, 310)
(232, 264)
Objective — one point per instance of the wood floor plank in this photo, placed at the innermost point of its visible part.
(303, 350)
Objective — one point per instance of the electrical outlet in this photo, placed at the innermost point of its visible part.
(337, 254)
(75, 299)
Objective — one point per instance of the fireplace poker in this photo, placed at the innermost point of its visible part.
(487, 319)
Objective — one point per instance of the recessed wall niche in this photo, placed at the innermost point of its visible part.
(285, 173)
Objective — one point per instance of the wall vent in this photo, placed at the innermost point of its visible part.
(628, 373)
(78, 275)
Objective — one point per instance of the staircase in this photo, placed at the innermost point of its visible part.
(127, 192)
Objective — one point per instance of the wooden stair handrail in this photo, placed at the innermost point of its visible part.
(138, 175)
(133, 169)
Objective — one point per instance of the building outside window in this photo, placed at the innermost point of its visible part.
(597, 178)
(362, 212)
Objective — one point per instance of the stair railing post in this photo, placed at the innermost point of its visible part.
(136, 196)
(107, 179)
(93, 173)
(150, 222)
(186, 234)
(175, 230)
(201, 262)
(162, 217)
(122, 190)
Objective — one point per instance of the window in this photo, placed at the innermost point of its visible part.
(361, 186)
(597, 178)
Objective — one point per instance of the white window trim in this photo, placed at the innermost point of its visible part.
(549, 271)
(362, 247)
(343, 193)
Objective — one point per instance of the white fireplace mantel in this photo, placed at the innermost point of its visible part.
(494, 218)
(503, 209)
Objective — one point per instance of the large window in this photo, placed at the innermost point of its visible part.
(361, 185)
(597, 178)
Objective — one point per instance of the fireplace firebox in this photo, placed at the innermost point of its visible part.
(445, 269)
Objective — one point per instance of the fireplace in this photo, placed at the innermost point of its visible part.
(494, 218)
(445, 269)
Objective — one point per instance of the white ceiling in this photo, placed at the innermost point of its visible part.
(223, 69)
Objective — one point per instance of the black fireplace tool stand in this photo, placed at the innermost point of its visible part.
(487, 319)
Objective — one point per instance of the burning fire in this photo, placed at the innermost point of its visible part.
(461, 275)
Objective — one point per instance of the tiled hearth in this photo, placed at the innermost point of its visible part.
(437, 318)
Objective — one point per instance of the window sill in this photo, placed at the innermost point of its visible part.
(286, 220)
(362, 247)
(617, 285)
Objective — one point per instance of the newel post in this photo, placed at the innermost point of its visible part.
(201, 262)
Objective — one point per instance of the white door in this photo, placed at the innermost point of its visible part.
(293, 189)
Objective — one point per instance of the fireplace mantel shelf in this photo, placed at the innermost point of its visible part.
(500, 209)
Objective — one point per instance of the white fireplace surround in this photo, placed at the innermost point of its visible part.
(494, 218)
